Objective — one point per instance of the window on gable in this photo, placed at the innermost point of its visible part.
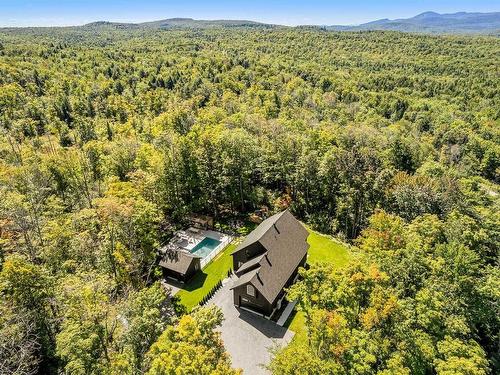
(250, 290)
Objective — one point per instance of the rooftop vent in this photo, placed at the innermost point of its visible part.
(268, 261)
(275, 227)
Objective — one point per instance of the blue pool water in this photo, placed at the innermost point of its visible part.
(205, 247)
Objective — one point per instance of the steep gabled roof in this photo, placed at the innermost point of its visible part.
(259, 232)
(252, 262)
(245, 278)
(178, 261)
(285, 240)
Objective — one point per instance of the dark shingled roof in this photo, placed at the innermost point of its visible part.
(285, 240)
(252, 262)
(245, 278)
(178, 261)
(259, 232)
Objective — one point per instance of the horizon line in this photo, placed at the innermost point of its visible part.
(139, 22)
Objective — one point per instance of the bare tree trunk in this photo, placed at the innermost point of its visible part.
(241, 193)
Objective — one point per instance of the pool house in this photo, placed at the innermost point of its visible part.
(189, 251)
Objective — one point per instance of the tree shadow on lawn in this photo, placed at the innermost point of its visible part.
(196, 282)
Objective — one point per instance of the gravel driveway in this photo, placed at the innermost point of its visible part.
(247, 336)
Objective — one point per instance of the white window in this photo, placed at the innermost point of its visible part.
(250, 290)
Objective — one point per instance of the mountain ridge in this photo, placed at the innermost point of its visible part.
(426, 22)
(432, 22)
(179, 22)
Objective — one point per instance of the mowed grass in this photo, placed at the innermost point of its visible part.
(324, 249)
(198, 287)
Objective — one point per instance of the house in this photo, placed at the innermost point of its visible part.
(179, 264)
(267, 262)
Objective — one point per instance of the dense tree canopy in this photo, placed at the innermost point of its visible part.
(384, 139)
(417, 301)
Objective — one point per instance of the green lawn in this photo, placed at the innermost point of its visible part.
(324, 249)
(297, 323)
(203, 281)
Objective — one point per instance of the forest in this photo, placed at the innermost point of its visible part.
(388, 141)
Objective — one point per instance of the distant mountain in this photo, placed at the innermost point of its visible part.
(427, 22)
(432, 22)
(189, 22)
(112, 25)
(172, 23)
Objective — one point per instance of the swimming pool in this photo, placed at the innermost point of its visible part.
(205, 247)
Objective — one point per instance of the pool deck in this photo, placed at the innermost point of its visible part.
(187, 240)
(191, 239)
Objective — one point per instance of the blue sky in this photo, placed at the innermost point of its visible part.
(320, 12)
